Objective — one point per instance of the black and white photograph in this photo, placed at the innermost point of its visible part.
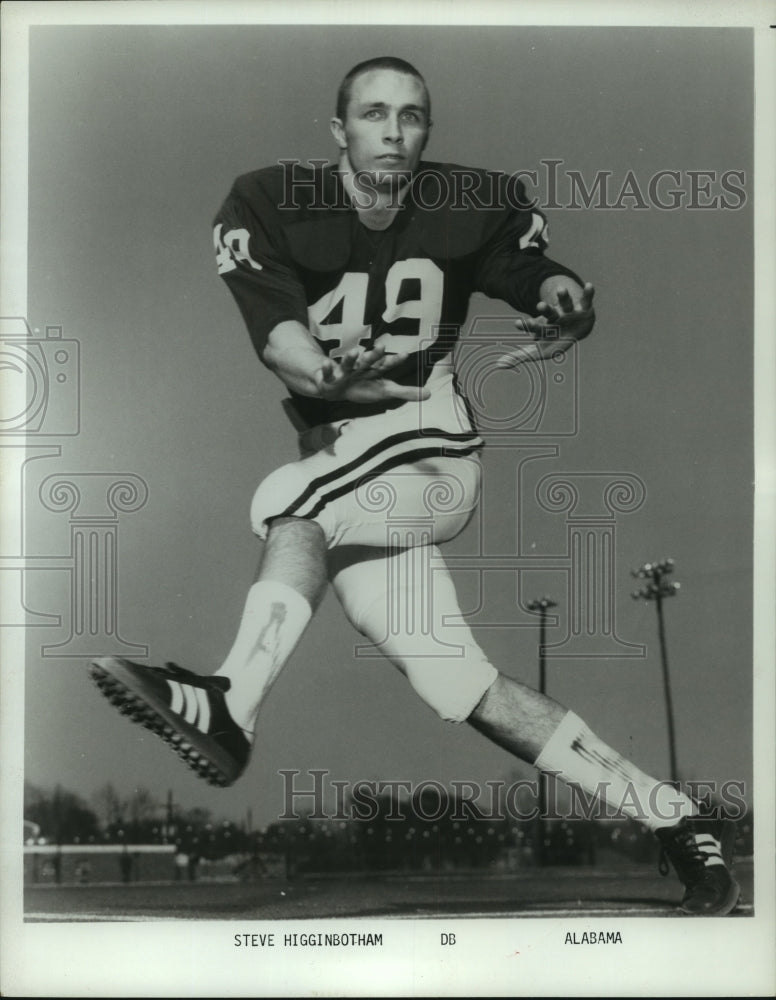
(387, 534)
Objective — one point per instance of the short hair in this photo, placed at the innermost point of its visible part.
(379, 62)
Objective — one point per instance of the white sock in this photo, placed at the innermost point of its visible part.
(273, 620)
(582, 759)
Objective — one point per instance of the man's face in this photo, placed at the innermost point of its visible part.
(386, 126)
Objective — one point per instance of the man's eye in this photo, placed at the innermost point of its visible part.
(410, 116)
(374, 114)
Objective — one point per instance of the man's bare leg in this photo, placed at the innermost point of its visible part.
(517, 718)
(538, 730)
(289, 585)
(208, 720)
(542, 732)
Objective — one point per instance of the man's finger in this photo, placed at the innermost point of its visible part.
(390, 361)
(412, 393)
(520, 356)
(348, 362)
(540, 350)
(373, 356)
(565, 300)
(542, 328)
(326, 371)
(365, 360)
(529, 325)
(550, 313)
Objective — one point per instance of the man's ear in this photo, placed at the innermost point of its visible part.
(338, 131)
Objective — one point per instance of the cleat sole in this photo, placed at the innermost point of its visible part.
(220, 773)
(726, 906)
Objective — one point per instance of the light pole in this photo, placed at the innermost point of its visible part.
(656, 589)
(168, 823)
(541, 605)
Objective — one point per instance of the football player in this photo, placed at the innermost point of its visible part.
(353, 281)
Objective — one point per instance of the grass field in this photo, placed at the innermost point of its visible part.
(550, 892)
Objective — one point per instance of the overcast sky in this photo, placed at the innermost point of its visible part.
(135, 137)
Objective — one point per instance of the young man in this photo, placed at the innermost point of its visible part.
(353, 283)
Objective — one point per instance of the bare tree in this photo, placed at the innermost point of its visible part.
(108, 804)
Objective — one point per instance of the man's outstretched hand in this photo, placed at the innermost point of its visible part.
(566, 317)
(361, 377)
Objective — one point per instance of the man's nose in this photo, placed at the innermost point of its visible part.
(393, 131)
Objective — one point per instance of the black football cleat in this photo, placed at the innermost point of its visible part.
(696, 855)
(186, 710)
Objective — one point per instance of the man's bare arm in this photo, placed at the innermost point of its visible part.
(293, 355)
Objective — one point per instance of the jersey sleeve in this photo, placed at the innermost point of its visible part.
(513, 265)
(254, 261)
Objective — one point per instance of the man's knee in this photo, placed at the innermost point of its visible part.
(452, 687)
(404, 602)
(274, 495)
(295, 529)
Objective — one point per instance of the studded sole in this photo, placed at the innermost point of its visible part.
(139, 711)
(727, 906)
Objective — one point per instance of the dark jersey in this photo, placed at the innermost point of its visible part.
(290, 246)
